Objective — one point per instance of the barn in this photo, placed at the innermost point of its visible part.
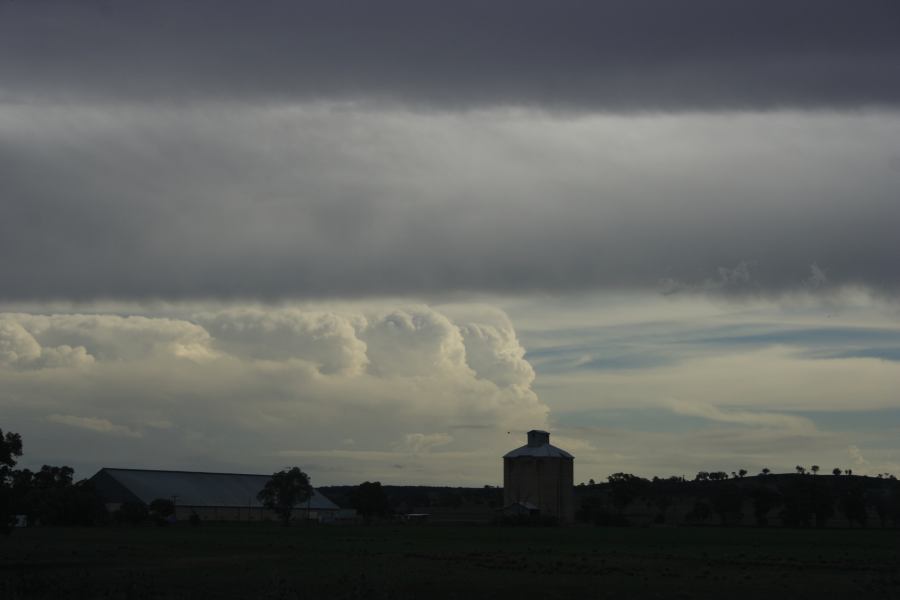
(211, 496)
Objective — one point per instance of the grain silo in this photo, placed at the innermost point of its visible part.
(538, 477)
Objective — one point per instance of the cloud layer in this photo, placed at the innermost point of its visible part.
(616, 55)
(328, 201)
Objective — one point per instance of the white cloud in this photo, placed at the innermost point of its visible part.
(19, 348)
(325, 339)
(414, 341)
(236, 386)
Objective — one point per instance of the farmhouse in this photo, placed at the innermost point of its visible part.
(211, 496)
(538, 480)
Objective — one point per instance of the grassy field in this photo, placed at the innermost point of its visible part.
(266, 561)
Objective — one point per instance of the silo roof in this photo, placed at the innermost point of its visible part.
(202, 489)
(542, 451)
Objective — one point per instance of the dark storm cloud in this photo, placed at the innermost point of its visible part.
(620, 55)
(318, 202)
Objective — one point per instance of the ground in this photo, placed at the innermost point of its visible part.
(267, 561)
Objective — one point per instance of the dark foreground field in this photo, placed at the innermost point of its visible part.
(266, 561)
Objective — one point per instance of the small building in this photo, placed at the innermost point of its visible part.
(539, 478)
(211, 496)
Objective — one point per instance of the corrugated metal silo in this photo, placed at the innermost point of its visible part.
(540, 475)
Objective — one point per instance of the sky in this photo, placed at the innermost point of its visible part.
(380, 241)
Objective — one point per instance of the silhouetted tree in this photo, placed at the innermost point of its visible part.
(10, 450)
(624, 488)
(661, 497)
(285, 490)
(835, 471)
(814, 469)
(742, 473)
(727, 501)
(369, 500)
(881, 501)
(822, 501)
(797, 503)
(764, 500)
(765, 471)
(800, 470)
(132, 513)
(853, 504)
(702, 476)
(699, 513)
(161, 509)
(54, 499)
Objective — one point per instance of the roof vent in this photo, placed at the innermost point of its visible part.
(536, 438)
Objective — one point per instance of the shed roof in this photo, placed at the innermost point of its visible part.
(200, 489)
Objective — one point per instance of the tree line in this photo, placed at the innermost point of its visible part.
(800, 499)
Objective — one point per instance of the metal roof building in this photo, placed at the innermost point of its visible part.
(214, 496)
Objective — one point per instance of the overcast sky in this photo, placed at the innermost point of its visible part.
(382, 240)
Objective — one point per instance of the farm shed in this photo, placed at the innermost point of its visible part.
(211, 496)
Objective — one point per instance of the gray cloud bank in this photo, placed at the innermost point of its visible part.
(330, 201)
(620, 55)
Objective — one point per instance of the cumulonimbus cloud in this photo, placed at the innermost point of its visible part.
(245, 385)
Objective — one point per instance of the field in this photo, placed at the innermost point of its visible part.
(267, 561)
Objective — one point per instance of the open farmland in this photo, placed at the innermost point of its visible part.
(266, 561)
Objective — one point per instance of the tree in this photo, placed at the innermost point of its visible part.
(133, 513)
(853, 504)
(800, 470)
(765, 471)
(699, 513)
(284, 491)
(369, 500)
(836, 471)
(625, 488)
(727, 501)
(814, 469)
(10, 450)
(742, 473)
(162, 509)
(764, 500)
